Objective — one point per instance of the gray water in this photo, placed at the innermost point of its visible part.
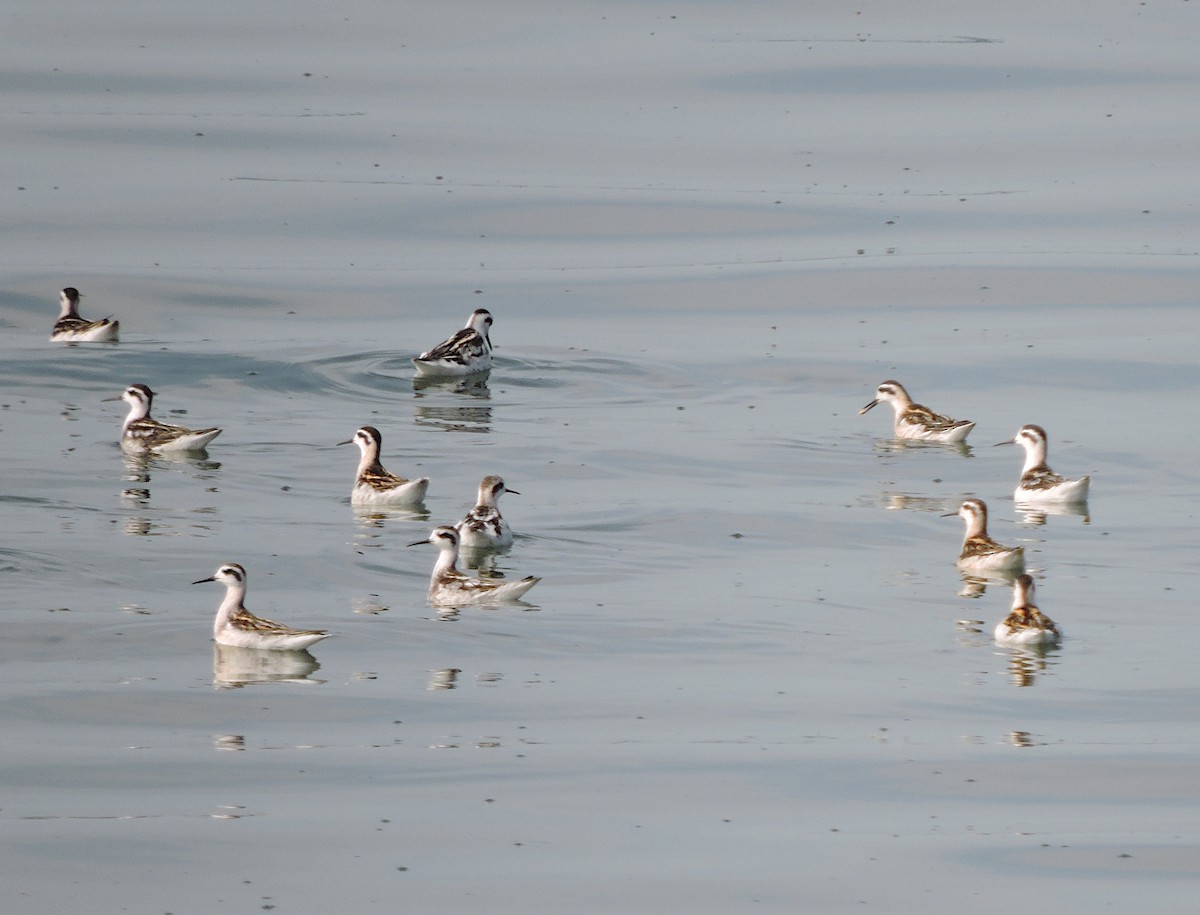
(751, 675)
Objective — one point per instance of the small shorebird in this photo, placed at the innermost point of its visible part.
(448, 587)
(375, 486)
(915, 421)
(467, 352)
(238, 627)
(1026, 624)
(141, 432)
(483, 527)
(70, 328)
(1038, 482)
(980, 553)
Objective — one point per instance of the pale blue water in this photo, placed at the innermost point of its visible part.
(741, 681)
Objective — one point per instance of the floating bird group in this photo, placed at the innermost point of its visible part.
(469, 352)
(1038, 485)
(466, 352)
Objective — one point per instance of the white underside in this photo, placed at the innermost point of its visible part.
(481, 540)
(106, 334)
(442, 369)
(450, 596)
(194, 442)
(410, 493)
(920, 433)
(1069, 491)
(1007, 561)
(284, 641)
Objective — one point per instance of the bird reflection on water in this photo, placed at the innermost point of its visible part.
(889, 446)
(235, 667)
(1027, 662)
(470, 414)
(1036, 514)
(143, 520)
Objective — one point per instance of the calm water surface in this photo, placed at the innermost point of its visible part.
(751, 674)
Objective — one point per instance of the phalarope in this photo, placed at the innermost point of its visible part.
(238, 627)
(70, 328)
(468, 351)
(143, 433)
(979, 551)
(374, 485)
(1026, 624)
(483, 528)
(1038, 482)
(916, 421)
(449, 587)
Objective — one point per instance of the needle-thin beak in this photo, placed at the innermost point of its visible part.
(203, 580)
(868, 406)
(419, 542)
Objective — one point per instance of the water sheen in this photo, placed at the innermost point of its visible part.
(751, 675)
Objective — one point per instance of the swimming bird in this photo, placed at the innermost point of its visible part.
(375, 486)
(143, 433)
(1038, 482)
(70, 328)
(916, 421)
(468, 351)
(1026, 624)
(980, 552)
(448, 587)
(483, 528)
(238, 627)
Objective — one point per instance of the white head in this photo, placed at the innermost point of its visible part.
(68, 302)
(446, 540)
(480, 322)
(973, 509)
(492, 488)
(231, 575)
(369, 442)
(1033, 439)
(889, 392)
(139, 397)
(1031, 436)
(974, 512)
